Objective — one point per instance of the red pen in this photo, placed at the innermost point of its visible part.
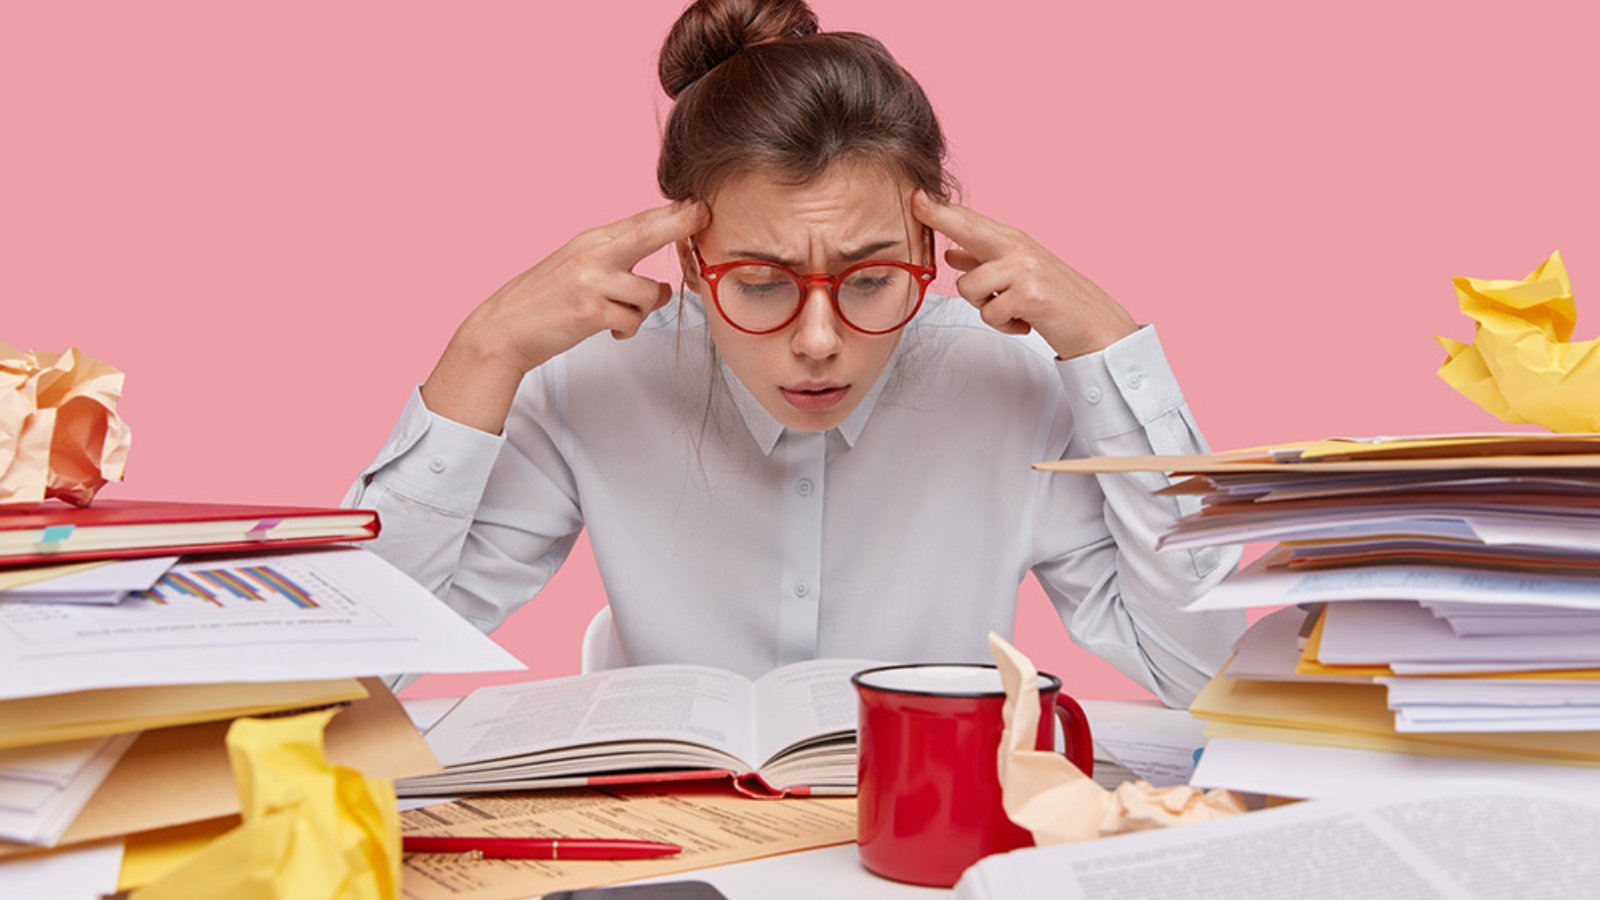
(540, 848)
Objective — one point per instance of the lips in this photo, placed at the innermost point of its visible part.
(814, 397)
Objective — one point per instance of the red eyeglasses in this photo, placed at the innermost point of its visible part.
(878, 296)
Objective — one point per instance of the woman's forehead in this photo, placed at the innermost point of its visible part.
(846, 206)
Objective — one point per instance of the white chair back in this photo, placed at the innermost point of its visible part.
(601, 647)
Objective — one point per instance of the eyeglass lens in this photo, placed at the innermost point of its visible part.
(873, 298)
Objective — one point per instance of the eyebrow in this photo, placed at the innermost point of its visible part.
(865, 251)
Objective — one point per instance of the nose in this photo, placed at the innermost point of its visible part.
(817, 332)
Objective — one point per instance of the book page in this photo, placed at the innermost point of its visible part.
(805, 700)
(696, 704)
(714, 826)
(1447, 840)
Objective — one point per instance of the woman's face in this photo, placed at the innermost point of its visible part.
(811, 374)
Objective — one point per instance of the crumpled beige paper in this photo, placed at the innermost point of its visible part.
(60, 435)
(311, 830)
(1049, 796)
(1521, 365)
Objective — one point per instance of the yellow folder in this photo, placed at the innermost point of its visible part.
(1358, 715)
(85, 714)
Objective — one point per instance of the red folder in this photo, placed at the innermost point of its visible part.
(120, 529)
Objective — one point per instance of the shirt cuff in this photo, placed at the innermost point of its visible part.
(438, 461)
(1122, 388)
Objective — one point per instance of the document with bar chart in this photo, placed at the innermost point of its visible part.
(293, 616)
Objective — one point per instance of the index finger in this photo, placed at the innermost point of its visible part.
(629, 240)
(976, 233)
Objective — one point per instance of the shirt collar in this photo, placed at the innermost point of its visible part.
(766, 430)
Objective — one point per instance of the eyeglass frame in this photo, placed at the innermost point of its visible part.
(922, 275)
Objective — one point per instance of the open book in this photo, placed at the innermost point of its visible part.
(791, 731)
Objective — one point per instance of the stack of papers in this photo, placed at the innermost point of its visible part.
(119, 680)
(1446, 595)
(210, 639)
(1276, 726)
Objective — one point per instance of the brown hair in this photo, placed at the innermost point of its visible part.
(758, 87)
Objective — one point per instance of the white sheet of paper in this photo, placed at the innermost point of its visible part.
(1481, 526)
(329, 614)
(1470, 666)
(94, 598)
(1257, 585)
(1497, 692)
(1326, 528)
(1368, 632)
(1475, 619)
(1307, 770)
(425, 712)
(76, 873)
(49, 763)
(1442, 720)
(1478, 840)
(113, 577)
(1269, 650)
(1155, 743)
(45, 817)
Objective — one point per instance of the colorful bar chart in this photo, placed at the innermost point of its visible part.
(249, 584)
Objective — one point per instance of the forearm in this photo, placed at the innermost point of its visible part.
(471, 384)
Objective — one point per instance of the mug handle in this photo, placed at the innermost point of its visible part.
(1075, 728)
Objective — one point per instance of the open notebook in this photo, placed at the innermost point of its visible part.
(792, 731)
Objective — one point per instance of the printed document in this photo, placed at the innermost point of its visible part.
(289, 617)
(1470, 839)
(713, 826)
(1257, 585)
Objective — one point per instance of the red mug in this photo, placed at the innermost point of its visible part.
(928, 790)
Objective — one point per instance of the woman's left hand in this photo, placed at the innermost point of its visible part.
(1016, 284)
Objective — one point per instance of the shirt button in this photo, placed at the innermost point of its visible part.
(804, 487)
(801, 589)
(1093, 394)
(1135, 381)
(436, 464)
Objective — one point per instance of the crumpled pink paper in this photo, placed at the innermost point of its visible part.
(60, 435)
(1049, 796)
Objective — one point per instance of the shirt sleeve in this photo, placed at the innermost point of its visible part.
(1121, 599)
(483, 521)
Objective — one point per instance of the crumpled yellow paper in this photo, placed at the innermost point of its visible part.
(60, 435)
(1521, 365)
(1046, 794)
(311, 830)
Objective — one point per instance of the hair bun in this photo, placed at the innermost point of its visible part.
(711, 31)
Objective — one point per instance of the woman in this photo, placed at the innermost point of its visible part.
(803, 454)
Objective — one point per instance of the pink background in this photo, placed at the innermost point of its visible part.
(273, 216)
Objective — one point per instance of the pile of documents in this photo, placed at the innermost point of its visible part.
(121, 669)
(1445, 615)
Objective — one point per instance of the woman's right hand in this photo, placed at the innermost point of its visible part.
(585, 287)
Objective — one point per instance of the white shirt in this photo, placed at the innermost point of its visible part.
(725, 539)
